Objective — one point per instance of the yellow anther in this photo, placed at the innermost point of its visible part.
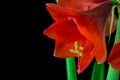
(78, 50)
(76, 46)
(81, 48)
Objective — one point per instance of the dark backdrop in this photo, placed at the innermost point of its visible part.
(43, 65)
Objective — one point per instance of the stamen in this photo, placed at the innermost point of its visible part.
(78, 50)
(76, 46)
(81, 48)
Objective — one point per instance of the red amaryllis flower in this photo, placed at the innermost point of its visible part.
(79, 33)
(114, 57)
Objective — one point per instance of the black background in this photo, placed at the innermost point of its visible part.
(43, 65)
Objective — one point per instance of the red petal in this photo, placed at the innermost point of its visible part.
(108, 25)
(59, 12)
(64, 31)
(51, 31)
(62, 50)
(116, 64)
(114, 57)
(91, 25)
(84, 61)
(79, 5)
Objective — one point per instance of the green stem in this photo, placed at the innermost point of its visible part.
(112, 73)
(71, 69)
(98, 71)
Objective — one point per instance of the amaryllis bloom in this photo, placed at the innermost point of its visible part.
(79, 29)
(114, 57)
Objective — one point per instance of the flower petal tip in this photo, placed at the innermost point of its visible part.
(109, 63)
(47, 4)
(99, 63)
(79, 71)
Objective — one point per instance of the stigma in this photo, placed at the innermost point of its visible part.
(77, 49)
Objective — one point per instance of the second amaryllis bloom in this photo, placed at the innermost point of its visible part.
(114, 57)
(79, 33)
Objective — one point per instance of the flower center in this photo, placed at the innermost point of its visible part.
(78, 49)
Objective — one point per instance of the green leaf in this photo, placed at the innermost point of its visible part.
(111, 23)
(98, 71)
(117, 35)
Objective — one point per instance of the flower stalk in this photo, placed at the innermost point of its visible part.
(98, 71)
(71, 69)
